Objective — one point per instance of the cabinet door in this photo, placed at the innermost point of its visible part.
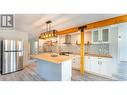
(106, 67)
(95, 66)
(76, 62)
(87, 64)
(105, 34)
(95, 36)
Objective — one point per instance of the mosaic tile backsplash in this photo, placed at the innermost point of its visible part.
(95, 48)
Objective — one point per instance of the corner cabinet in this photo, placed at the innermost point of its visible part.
(101, 35)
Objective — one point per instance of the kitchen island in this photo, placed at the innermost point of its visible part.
(57, 68)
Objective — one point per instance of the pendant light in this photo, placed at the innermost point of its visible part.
(49, 33)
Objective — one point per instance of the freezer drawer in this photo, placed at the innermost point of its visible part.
(12, 61)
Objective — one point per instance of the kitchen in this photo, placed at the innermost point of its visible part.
(79, 49)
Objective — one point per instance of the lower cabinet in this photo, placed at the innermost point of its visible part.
(99, 65)
(76, 62)
(106, 64)
(87, 63)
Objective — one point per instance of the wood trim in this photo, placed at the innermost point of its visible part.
(97, 24)
(82, 53)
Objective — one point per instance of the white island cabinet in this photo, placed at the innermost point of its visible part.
(54, 68)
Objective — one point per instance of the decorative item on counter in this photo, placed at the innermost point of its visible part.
(76, 42)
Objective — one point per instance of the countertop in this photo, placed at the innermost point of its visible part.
(95, 55)
(98, 55)
(47, 57)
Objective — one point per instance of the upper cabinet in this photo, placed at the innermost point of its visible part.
(101, 35)
(95, 36)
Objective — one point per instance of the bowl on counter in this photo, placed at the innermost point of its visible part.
(54, 55)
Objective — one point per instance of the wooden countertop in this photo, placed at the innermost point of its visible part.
(99, 55)
(47, 57)
(95, 55)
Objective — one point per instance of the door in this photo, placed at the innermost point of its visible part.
(9, 62)
(19, 45)
(105, 34)
(87, 63)
(95, 66)
(12, 61)
(95, 36)
(9, 45)
(122, 42)
(106, 67)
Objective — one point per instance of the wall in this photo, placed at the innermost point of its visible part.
(16, 35)
(119, 68)
(88, 37)
(114, 49)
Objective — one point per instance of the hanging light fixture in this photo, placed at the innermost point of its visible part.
(49, 33)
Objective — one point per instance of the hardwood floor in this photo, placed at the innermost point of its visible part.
(29, 74)
(76, 76)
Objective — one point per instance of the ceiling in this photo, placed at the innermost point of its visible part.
(34, 24)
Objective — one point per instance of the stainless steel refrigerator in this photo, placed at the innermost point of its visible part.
(11, 56)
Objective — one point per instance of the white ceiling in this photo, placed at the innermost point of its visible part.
(34, 24)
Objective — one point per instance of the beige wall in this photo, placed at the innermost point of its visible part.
(16, 35)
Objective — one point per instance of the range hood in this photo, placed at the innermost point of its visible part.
(67, 39)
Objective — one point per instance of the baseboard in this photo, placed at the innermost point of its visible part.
(95, 74)
(99, 75)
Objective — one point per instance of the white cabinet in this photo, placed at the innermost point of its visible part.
(95, 36)
(101, 35)
(106, 66)
(87, 63)
(95, 67)
(99, 65)
(76, 62)
(91, 64)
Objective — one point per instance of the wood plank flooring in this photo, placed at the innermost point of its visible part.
(29, 74)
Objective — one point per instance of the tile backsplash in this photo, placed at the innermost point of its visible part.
(94, 48)
(97, 48)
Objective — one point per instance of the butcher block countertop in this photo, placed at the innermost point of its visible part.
(99, 55)
(47, 57)
(95, 55)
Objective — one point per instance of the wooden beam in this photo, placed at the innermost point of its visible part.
(67, 31)
(107, 22)
(82, 51)
(97, 24)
